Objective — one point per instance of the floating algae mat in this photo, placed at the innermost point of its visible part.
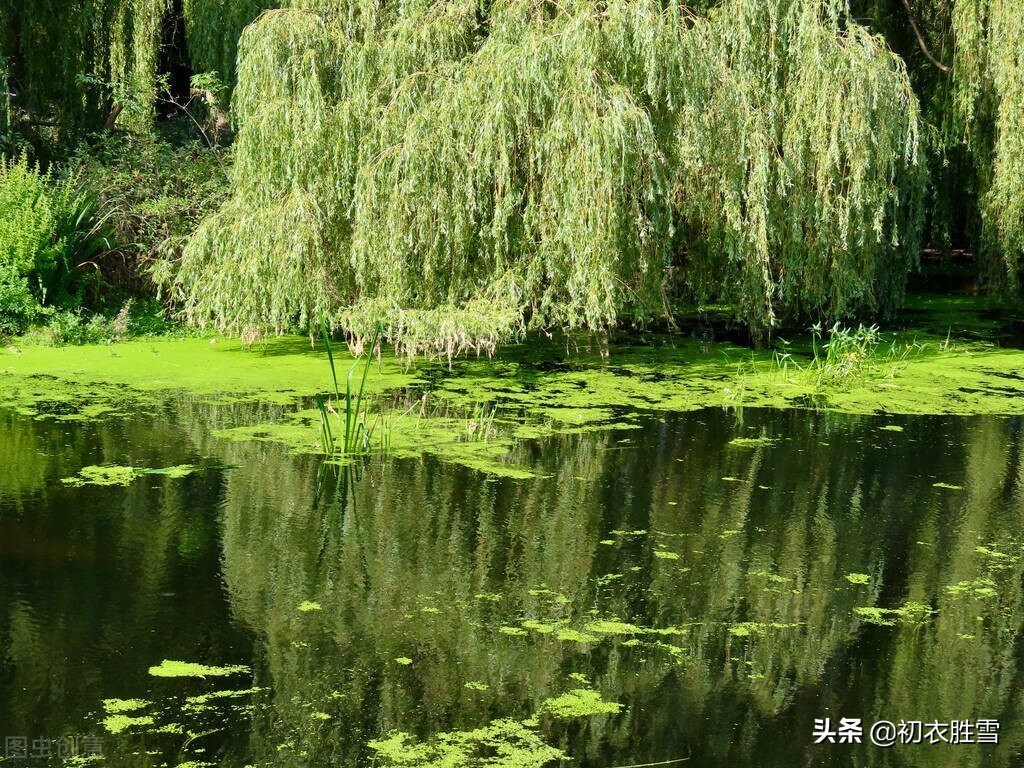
(94, 475)
(108, 475)
(628, 599)
(167, 668)
(530, 390)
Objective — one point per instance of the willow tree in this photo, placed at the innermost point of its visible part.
(966, 60)
(798, 163)
(49, 49)
(75, 69)
(212, 29)
(988, 87)
(461, 172)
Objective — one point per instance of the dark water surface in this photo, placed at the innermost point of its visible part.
(724, 595)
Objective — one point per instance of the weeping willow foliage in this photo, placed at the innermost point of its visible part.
(47, 48)
(212, 29)
(463, 171)
(989, 104)
(798, 163)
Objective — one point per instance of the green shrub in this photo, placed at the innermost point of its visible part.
(156, 192)
(17, 307)
(134, 319)
(49, 233)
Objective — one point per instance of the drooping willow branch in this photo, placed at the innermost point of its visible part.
(572, 167)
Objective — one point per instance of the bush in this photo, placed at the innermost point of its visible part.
(156, 192)
(48, 232)
(132, 320)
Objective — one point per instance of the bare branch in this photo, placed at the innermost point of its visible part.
(920, 39)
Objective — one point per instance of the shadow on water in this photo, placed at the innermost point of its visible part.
(724, 579)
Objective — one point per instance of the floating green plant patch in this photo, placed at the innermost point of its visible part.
(108, 475)
(948, 486)
(994, 554)
(665, 555)
(557, 597)
(606, 627)
(911, 613)
(543, 627)
(752, 442)
(474, 685)
(581, 702)
(403, 660)
(118, 723)
(574, 636)
(308, 605)
(118, 475)
(168, 668)
(206, 698)
(753, 628)
(858, 578)
(515, 744)
(124, 705)
(980, 588)
(181, 470)
(892, 428)
(774, 578)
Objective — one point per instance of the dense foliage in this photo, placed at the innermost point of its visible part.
(989, 110)
(154, 193)
(48, 235)
(72, 70)
(462, 170)
(561, 164)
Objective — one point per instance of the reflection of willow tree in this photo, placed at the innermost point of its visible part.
(29, 452)
(964, 664)
(408, 567)
(89, 571)
(426, 562)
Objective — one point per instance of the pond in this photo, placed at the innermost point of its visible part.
(697, 589)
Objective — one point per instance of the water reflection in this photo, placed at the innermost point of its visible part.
(726, 578)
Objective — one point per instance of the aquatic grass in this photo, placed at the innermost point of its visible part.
(844, 356)
(357, 436)
(480, 424)
(783, 358)
(841, 357)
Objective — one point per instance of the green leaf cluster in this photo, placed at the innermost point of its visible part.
(574, 164)
(48, 229)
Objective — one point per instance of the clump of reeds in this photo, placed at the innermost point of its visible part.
(847, 355)
(357, 432)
